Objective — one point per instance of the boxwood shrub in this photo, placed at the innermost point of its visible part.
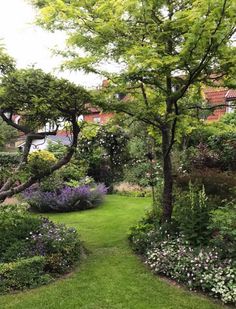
(22, 274)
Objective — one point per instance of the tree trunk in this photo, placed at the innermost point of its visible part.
(167, 197)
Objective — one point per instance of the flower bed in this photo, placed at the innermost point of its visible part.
(33, 250)
(199, 269)
(66, 198)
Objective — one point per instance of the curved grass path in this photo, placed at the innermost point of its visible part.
(111, 276)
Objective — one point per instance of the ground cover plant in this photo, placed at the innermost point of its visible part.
(110, 277)
(33, 250)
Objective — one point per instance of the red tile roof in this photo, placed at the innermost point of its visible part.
(231, 94)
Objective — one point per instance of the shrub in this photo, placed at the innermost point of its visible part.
(141, 237)
(8, 161)
(66, 198)
(206, 264)
(9, 158)
(15, 226)
(223, 227)
(212, 149)
(22, 274)
(148, 232)
(40, 161)
(224, 145)
(128, 189)
(59, 245)
(33, 249)
(222, 186)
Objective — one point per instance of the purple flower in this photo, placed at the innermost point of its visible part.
(66, 198)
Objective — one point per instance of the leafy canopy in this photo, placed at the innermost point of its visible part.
(163, 47)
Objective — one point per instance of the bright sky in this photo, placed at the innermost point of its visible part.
(29, 44)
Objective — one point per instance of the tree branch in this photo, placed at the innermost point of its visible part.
(35, 178)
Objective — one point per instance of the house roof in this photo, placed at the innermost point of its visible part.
(65, 140)
(231, 94)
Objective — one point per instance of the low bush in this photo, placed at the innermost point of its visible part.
(40, 161)
(33, 250)
(223, 185)
(128, 189)
(22, 274)
(9, 158)
(66, 198)
(15, 226)
(223, 228)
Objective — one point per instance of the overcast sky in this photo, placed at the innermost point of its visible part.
(29, 44)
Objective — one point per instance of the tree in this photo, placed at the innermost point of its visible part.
(6, 134)
(41, 100)
(165, 49)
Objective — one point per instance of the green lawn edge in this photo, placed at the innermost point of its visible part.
(111, 276)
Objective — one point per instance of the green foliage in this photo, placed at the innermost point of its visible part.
(33, 249)
(202, 269)
(105, 150)
(229, 119)
(58, 149)
(7, 63)
(118, 33)
(23, 274)
(7, 133)
(8, 159)
(41, 97)
(192, 215)
(52, 182)
(138, 237)
(15, 225)
(74, 171)
(223, 227)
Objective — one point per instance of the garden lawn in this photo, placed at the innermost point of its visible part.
(111, 276)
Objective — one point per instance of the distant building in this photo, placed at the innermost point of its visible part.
(42, 144)
(220, 96)
(97, 116)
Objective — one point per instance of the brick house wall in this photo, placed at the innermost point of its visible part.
(216, 97)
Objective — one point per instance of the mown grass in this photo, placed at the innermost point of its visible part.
(111, 276)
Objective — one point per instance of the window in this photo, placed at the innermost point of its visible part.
(97, 120)
(231, 107)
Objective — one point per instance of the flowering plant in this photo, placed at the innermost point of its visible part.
(66, 198)
(202, 269)
(33, 249)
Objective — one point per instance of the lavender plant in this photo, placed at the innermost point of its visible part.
(66, 198)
